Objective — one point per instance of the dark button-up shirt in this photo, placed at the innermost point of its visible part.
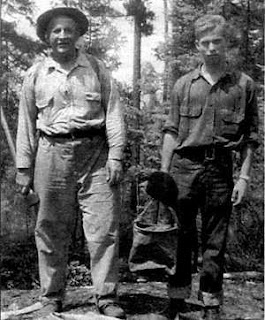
(56, 101)
(224, 114)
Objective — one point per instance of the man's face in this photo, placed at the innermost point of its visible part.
(62, 35)
(212, 47)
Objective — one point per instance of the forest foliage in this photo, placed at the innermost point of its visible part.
(144, 125)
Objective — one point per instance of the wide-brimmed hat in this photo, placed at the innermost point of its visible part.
(45, 18)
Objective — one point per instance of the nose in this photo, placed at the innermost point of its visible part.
(63, 34)
(211, 47)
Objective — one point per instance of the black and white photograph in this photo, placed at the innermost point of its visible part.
(132, 159)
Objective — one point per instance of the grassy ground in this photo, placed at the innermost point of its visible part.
(243, 299)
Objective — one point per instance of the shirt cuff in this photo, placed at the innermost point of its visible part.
(169, 129)
(116, 154)
(24, 176)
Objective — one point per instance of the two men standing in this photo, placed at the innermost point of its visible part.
(71, 101)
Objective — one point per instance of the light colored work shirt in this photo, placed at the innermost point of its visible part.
(56, 101)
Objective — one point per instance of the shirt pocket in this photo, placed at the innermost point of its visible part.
(43, 103)
(92, 104)
(44, 106)
(231, 123)
(190, 111)
(189, 116)
(93, 96)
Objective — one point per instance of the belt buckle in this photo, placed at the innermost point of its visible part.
(72, 134)
(209, 154)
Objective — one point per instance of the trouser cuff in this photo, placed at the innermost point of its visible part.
(47, 299)
(210, 299)
(103, 300)
(106, 294)
(179, 292)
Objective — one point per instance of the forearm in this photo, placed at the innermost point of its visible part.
(167, 151)
(26, 139)
(115, 125)
(240, 188)
(247, 158)
(26, 130)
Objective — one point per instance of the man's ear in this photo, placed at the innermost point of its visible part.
(197, 44)
(46, 37)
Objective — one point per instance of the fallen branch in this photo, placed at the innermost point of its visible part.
(89, 315)
(34, 307)
(245, 275)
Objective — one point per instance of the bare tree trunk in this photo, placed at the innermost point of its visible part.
(165, 84)
(136, 102)
(137, 74)
(247, 54)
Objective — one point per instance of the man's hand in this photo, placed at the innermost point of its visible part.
(24, 179)
(239, 192)
(114, 171)
(165, 170)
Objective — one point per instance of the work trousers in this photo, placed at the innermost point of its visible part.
(204, 186)
(70, 175)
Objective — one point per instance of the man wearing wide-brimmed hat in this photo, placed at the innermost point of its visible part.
(70, 100)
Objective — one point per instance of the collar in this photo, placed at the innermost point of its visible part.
(81, 60)
(229, 72)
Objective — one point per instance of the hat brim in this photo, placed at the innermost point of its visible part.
(45, 18)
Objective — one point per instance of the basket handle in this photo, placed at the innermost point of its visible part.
(172, 212)
(144, 211)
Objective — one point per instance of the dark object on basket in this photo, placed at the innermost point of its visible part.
(161, 186)
(156, 227)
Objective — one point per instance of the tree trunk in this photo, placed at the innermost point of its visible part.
(137, 75)
(247, 53)
(165, 84)
(136, 102)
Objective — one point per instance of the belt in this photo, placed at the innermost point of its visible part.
(209, 153)
(76, 134)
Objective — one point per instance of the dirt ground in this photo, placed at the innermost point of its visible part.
(243, 300)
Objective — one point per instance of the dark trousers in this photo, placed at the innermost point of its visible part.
(206, 186)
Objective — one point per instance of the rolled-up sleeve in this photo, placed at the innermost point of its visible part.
(26, 131)
(251, 135)
(115, 125)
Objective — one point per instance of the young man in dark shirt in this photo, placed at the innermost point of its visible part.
(213, 112)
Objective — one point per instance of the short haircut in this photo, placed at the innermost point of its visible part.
(209, 23)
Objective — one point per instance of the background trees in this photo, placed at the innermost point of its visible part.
(146, 106)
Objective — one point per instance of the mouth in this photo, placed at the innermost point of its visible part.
(63, 44)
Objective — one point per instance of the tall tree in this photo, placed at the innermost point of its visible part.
(142, 26)
(166, 36)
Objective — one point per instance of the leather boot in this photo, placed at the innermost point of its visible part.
(112, 309)
(176, 306)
